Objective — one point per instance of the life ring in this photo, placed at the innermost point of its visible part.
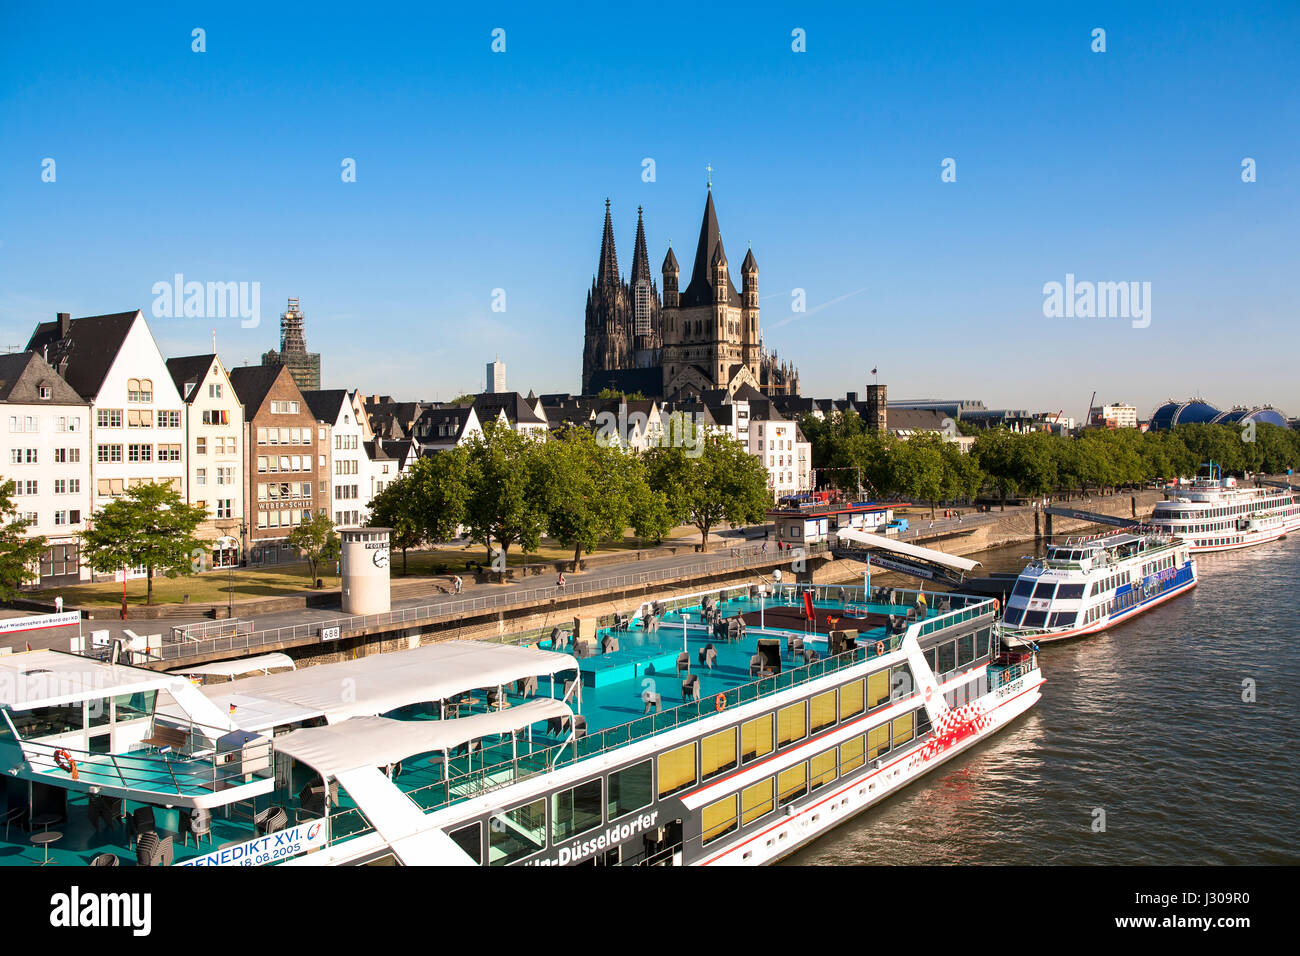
(880, 648)
(997, 605)
(720, 702)
(63, 760)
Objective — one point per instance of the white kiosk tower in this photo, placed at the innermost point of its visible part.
(365, 570)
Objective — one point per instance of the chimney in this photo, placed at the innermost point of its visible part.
(65, 324)
(852, 397)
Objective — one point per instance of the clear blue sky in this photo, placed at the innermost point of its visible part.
(478, 171)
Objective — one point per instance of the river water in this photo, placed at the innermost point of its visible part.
(1142, 750)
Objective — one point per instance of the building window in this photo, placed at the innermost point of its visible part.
(139, 390)
(200, 446)
(45, 392)
(214, 390)
(224, 509)
(169, 419)
(139, 453)
(108, 453)
(108, 417)
(200, 476)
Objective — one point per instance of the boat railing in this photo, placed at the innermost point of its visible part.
(146, 771)
(1001, 675)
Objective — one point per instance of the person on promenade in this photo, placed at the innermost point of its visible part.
(560, 583)
(456, 585)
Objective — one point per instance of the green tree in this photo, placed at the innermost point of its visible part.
(587, 491)
(397, 507)
(149, 526)
(506, 500)
(19, 554)
(316, 538)
(724, 482)
(916, 468)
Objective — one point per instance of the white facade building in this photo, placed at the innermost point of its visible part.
(214, 458)
(350, 481)
(137, 427)
(46, 453)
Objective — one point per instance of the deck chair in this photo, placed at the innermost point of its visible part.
(13, 815)
(683, 662)
(139, 824)
(199, 823)
(652, 702)
(609, 644)
(153, 850)
(106, 859)
(708, 656)
(691, 688)
(270, 820)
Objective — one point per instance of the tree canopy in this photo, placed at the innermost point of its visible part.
(19, 554)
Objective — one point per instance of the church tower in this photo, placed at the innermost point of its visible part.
(609, 318)
(647, 331)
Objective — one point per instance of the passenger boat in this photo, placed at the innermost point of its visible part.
(1088, 584)
(726, 728)
(1214, 513)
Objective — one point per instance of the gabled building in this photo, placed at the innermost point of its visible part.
(388, 460)
(137, 427)
(523, 415)
(347, 464)
(440, 427)
(287, 466)
(214, 453)
(46, 454)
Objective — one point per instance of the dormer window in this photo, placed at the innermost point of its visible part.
(45, 392)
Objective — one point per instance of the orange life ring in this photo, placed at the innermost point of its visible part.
(997, 605)
(63, 760)
(720, 702)
(880, 648)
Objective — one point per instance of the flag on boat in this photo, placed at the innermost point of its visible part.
(808, 605)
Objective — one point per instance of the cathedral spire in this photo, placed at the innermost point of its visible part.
(607, 271)
(640, 258)
(708, 249)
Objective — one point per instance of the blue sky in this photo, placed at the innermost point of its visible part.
(478, 171)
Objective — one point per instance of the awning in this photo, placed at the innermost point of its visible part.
(245, 665)
(881, 543)
(380, 741)
(384, 682)
(400, 821)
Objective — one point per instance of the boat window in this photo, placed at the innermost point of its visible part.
(1013, 616)
(756, 738)
(902, 729)
(792, 784)
(982, 642)
(517, 833)
(900, 681)
(931, 656)
(791, 723)
(47, 721)
(1063, 618)
(965, 649)
(470, 839)
(134, 706)
(878, 741)
(629, 789)
(1023, 587)
(757, 800)
(822, 768)
(575, 811)
(719, 818)
(676, 769)
(98, 712)
(852, 699)
(1044, 590)
(1035, 618)
(852, 754)
(947, 657)
(1069, 592)
(823, 711)
(877, 689)
(717, 753)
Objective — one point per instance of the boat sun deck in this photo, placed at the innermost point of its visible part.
(642, 675)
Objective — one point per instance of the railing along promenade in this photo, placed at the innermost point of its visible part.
(197, 640)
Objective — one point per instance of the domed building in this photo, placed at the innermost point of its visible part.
(1260, 414)
(1193, 412)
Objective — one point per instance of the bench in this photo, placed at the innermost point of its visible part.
(166, 738)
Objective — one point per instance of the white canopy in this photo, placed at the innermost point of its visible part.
(880, 542)
(245, 665)
(383, 682)
(379, 741)
(400, 821)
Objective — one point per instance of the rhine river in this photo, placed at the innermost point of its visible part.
(1145, 722)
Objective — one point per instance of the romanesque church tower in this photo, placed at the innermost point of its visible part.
(711, 331)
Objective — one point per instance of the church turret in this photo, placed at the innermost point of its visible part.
(672, 272)
(647, 328)
(607, 268)
(749, 280)
(609, 316)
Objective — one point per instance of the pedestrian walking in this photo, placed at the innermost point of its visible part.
(560, 583)
(457, 584)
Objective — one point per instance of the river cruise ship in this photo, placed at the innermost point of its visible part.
(1214, 513)
(1088, 584)
(724, 728)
